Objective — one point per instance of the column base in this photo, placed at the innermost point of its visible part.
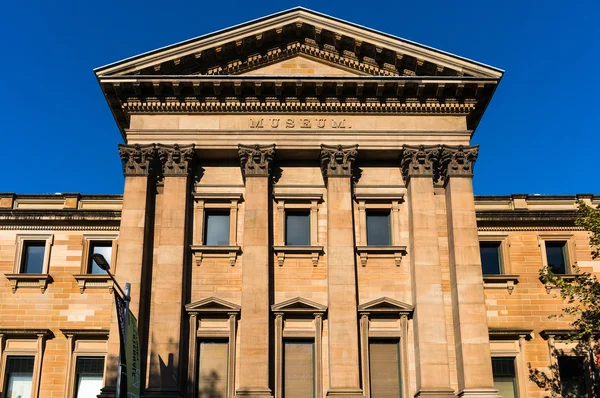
(345, 392)
(436, 392)
(259, 392)
(479, 393)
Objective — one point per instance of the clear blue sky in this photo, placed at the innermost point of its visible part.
(539, 134)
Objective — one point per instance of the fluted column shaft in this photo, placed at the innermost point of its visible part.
(137, 168)
(344, 369)
(431, 347)
(471, 339)
(165, 377)
(254, 324)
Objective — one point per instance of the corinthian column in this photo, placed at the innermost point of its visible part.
(168, 274)
(474, 367)
(138, 163)
(344, 370)
(418, 165)
(254, 324)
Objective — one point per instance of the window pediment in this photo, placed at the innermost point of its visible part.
(299, 304)
(212, 304)
(386, 305)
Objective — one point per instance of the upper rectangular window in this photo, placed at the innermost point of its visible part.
(378, 228)
(491, 259)
(33, 257)
(212, 369)
(99, 247)
(384, 366)
(89, 372)
(216, 228)
(19, 376)
(573, 374)
(297, 228)
(298, 369)
(505, 377)
(556, 256)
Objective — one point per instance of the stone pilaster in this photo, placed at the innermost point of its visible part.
(418, 165)
(166, 378)
(138, 162)
(254, 324)
(344, 369)
(471, 341)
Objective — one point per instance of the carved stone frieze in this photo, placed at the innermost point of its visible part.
(337, 160)
(421, 161)
(256, 160)
(176, 160)
(137, 159)
(457, 161)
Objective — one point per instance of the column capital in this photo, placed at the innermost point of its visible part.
(176, 160)
(137, 159)
(419, 161)
(457, 161)
(255, 160)
(337, 160)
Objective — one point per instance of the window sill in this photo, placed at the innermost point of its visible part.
(565, 277)
(28, 281)
(298, 252)
(94, 281)
(502, 281)
(396, 252)
(201, 252)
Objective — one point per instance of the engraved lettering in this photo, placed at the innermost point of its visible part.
(338, 124)
(289, 124)
(305, 123)
(256, 123)
(321, 123)
(274, 123)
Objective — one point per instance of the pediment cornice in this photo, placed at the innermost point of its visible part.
(212, 305)
(386, 305)
(298, 304)
(298, 31)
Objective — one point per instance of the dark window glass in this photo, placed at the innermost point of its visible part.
(297, 228)
(19, 376)
(505, 377)
(216, 230)
(212, 369)
(298, 369)
(99, 247)
(572, 377)
(384, 366)
(490, 258)
(556, 254)
(88, 376)
(33, 257)
(378, 228)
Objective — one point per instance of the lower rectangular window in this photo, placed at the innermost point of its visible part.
(298, 369)
(505, 377)
(19, 376)
(384, 367)
(573, 375)
(212, 369)
(89, 372)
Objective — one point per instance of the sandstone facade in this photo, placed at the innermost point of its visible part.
(230, 135)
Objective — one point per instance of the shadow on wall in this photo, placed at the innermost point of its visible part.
(575, 376)
(209, 386)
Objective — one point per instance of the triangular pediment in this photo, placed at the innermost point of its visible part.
(275, 38)
(298, 304)
(302, 65)
(212, 304)
(385, 304)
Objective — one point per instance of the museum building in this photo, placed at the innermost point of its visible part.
(298, 220)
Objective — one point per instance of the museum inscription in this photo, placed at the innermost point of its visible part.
(301, 122)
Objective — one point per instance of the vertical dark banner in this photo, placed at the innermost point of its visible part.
(121, 308)
(133, 358)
